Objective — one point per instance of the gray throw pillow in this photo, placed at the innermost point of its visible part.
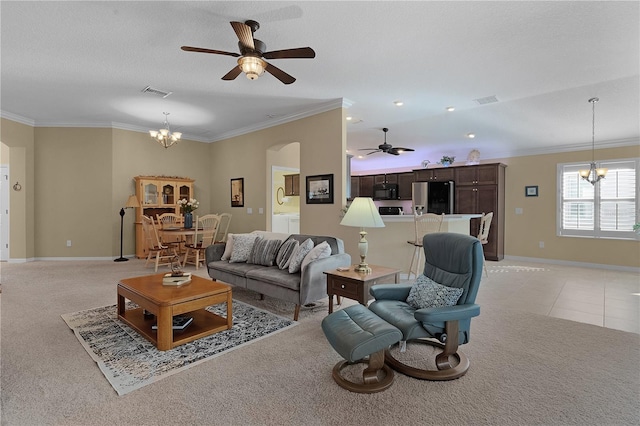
(264, 252)
(320, 251)
(426, 293)
(242, 245)
(284, 254)
(298, 256)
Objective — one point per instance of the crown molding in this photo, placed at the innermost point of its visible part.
(17, 118)
(316, 109)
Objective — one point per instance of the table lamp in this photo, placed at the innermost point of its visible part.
(363, 214)
(132, 201)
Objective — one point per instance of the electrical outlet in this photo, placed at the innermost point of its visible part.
(68, 243)
(541, 244)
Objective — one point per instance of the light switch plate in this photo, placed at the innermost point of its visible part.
(249, 210)
(518, 210)
(260, 210)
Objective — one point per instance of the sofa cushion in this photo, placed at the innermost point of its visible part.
(264, 252)
(298, 255)
(275, 276)
(284, 253)
(228, 248)
(320, 251)
(426, 293)
(242, 245)
(336, 244)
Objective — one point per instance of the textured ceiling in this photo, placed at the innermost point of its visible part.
(85, 64)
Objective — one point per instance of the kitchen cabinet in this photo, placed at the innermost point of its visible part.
(437, 174)
(366, 186)
(385, 178)
(481, 189)
(158, 195)
(355, 187)
(285, 223)
(292, 185)
(404, 185)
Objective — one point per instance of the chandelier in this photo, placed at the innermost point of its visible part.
(164, 136)
(594, 174)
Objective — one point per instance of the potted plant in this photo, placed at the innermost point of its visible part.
(446, 161)
(636, 228)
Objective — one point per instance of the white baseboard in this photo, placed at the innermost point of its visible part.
(576, 264)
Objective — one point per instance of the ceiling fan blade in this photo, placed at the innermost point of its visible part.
(300, 52)
(231, 75)
(400, 150)
(279, 74)
(201, 50)
(373, 152)
(393, 151)
(244, 33)
(369, 149)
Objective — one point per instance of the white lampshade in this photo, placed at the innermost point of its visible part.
(362, 213)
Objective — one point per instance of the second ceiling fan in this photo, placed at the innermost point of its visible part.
(252, 52)
(387, 148)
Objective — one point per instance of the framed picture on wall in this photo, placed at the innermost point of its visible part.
(531, 191)
(320, 189)
(237, 192)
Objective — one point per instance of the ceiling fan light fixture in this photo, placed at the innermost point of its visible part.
(252, 66)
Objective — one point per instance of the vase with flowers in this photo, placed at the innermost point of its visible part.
(446, 160)
(186, 208)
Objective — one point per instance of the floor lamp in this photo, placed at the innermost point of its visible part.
(131, 202)
(363, 213)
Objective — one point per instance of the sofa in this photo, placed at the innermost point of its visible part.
(305, 286)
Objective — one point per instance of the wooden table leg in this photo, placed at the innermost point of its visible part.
(165, 329)
(121, 305)
(331, 303)
(229, 311)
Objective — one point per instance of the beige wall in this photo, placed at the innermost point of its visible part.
(19, 138)
(116, 156)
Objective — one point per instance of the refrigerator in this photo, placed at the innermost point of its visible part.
(433, 197)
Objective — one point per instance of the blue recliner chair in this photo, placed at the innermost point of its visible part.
(453, 260)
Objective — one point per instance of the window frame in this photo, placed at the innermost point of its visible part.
(597, 200)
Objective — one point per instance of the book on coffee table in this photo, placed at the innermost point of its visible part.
(180, 322)
(168, 279)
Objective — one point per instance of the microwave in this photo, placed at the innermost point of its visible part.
(385, 191)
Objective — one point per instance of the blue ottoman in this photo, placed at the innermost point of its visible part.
(355, 333)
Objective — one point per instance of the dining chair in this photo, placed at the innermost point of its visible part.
(225, 220)
(483, 234)
(163, 253)
(204, 235)
(170, 220)
(424, 224)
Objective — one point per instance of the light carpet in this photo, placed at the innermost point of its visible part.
(129, 361)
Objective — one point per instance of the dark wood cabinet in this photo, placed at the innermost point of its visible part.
(292, 184)
(481, 189)
(386, 178)
(366, 186)
(404, 185)
(439, 174)
(355, 187)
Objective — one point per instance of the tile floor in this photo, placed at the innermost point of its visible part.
(596, 296)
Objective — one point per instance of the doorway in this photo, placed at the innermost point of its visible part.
(4, 213)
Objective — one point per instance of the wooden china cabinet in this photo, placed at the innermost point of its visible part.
(158, 195)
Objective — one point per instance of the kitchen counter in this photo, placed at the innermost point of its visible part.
(447, 217)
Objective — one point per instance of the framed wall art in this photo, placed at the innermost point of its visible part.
(319, 189)
(531, 191)
(237, 192)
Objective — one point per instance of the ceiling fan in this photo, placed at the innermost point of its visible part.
(387, 148)
(252, 52)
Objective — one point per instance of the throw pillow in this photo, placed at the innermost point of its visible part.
(284, 254)
(298, 256)
(264, 252)
(242, 245)
(228, 248)
(320, 251)
(426, 293)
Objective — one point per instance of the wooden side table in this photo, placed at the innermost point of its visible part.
(354, 285)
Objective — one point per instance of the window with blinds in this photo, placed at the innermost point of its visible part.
(607, 210)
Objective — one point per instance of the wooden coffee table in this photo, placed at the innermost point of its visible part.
(355, 285)
(165, 302)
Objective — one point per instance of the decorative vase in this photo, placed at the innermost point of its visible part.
(446, 164)
(188, 220)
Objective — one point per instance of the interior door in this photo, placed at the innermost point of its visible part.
(4, 213)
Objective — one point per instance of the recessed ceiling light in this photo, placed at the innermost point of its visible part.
(349, 118)
(360, 156)
(471, 135)
(450, 108)
(398, 103)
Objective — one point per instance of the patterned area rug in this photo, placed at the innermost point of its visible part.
(516, 268)
(129, 361)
